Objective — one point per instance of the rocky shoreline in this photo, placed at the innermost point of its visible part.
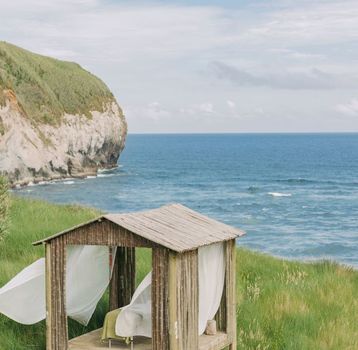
(44, 180)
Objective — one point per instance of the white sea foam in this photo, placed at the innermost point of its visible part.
(91, 177)
(68, 182)
(105, 170)
(44, 182)
(105, 175)
(279, 194)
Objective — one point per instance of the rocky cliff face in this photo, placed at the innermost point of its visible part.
(55, 138)
(79, 146)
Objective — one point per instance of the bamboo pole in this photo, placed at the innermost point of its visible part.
(122, 285)
(56, 318)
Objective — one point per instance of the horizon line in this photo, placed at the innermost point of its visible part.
(246, 133)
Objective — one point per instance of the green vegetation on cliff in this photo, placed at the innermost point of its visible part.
(282, 305)
(46, 88)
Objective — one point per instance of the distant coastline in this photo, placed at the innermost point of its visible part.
(249, 133)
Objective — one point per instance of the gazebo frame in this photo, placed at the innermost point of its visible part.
(174, 233)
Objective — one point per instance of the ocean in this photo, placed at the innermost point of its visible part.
(296, 195)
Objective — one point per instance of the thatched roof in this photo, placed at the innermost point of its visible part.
(173, 226)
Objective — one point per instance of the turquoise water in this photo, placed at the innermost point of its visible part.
(296, 195)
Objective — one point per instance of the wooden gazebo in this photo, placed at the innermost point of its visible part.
(174, 233)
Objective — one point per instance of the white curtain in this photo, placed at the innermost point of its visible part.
(211, 282)
(23, 298)
(135, 318)
(87, 277)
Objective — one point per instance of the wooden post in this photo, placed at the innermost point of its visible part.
(160, 305)
(173, 295)
(230, 281)
(183, 300)
(122, 285)
(56, 318)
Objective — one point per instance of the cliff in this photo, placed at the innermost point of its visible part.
(56, 119)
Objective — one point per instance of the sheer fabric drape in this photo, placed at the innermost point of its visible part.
(87, 277)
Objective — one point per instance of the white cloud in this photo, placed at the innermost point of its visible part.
(268, 53)
(231, 104)
(350, 108)
(206, 107)
(152, 112)
(311, 78)
(320, 22)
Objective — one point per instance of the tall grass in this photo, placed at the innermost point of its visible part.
(281, 304)
(293, 305)
(4, 207)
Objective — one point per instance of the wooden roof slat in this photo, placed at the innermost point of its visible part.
(159, 229)
(202, 218)
(173, 226)
(194, 220)
(208, 226)
(135, 227)
(148, 227)
(195, 230)
(171, 220)
(165, 227)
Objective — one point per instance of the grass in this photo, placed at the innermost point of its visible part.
(46, 88)
(2, 95)
(293, 305)
(4, 206)
(281, 304)
(2, 126)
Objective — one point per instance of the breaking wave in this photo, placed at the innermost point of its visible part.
(279, 194)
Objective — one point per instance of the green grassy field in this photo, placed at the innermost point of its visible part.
(46, 88)
(281, 304)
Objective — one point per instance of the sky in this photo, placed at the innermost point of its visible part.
(206, 66)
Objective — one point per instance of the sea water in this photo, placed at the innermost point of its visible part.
(296, 195)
